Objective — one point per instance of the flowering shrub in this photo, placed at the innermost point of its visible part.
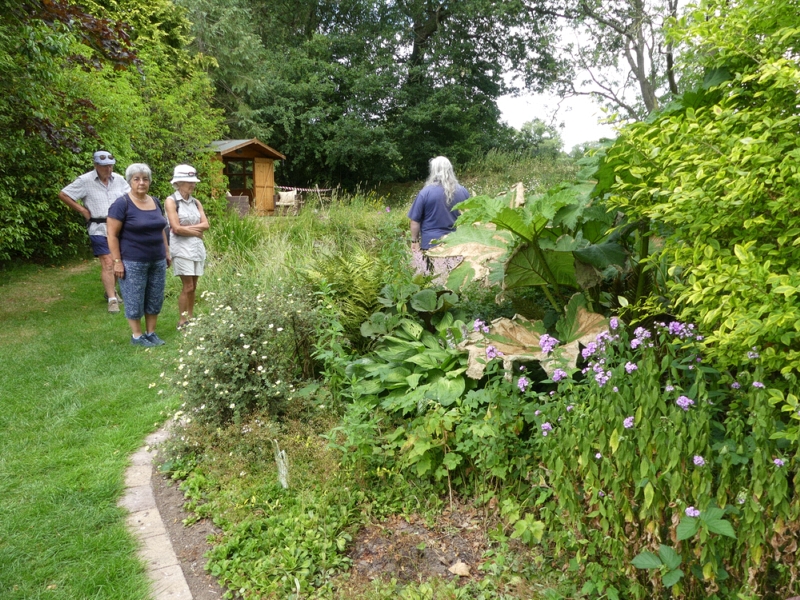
(248, 352)
(648, 450)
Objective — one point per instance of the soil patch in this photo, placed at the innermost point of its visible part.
(190, 543)
(408, 549)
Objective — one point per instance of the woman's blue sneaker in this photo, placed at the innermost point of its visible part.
(154, 339)
(143, 341)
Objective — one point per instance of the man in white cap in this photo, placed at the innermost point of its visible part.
(98, 189)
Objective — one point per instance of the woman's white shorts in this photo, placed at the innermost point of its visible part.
(184, 266)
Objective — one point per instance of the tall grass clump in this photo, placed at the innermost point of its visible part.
(497, 170)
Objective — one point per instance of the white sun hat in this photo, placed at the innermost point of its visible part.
(185, 173)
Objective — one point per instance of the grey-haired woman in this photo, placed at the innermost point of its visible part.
(187, 224)
(433, 214)
(140, 253)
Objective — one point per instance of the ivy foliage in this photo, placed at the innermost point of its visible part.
(719, 169)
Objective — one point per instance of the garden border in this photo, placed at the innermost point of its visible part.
(145, 523)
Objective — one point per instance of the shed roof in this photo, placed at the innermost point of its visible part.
(227, 147)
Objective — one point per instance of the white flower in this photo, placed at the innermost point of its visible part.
(205, 372)
(185, 383)
(279, 329)
(271, 326)
(233, 405)
(151, 386)
(246, 346)
(162, 374)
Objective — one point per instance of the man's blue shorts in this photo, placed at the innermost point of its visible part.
(99, 244)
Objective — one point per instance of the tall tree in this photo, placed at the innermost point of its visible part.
(364, 90)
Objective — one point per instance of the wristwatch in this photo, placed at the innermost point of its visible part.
(116, 260)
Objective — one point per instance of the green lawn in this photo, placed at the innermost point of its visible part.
(75, 401)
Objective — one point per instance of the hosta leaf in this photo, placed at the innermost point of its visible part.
(424, 300)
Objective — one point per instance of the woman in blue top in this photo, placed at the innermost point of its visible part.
(139, 249)
(433, 214)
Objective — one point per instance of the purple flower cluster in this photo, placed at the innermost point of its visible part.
(778, 462)
(613, 323)
(736, 385)
(590, 349)
(598, 456)
(692, 512)
(479, 326)
(752, 354)
(631, 367)
(628, 422)
(640, 335)
(668, 388)
(547, 343)
(559, 374)
(684, 402)
(492, 352)
(682, 330)
(758, 384)
(545, 428)
(601, 376)
(523, 383)
(569, 408)
(699, 460)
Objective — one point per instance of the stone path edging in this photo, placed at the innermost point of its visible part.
(144, 521)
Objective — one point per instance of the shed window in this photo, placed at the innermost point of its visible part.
(240, 173)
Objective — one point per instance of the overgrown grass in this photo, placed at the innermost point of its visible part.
(76, 402)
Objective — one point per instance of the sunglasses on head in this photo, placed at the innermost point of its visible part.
(105, 157)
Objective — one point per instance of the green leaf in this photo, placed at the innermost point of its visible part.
(532, 266)
(649, 493)
(672, 578)
(614, 441)
(646, 560)
(601, 256)
(511, 219)
(669, 557)
(451, 460)
(687, 528)
(722, 527)
(424, 300)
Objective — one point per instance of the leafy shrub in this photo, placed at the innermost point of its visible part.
(718, 167)
(248, 352)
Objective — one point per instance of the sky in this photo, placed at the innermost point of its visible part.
(579, 115)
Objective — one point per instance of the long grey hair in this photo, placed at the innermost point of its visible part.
(441, 173)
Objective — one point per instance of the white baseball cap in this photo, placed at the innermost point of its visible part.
(184, 173)
(102, 158)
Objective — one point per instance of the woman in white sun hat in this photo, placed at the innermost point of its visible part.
(187, 223)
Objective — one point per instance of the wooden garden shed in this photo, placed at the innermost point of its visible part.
(250, 167)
